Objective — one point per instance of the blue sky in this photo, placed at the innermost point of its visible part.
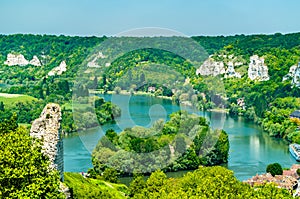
(110, 17)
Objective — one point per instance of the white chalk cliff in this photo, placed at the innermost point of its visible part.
(16, 60)
(59, 69)
(93, 63)
(214, 68)
(35, 61)
(211, 67)
(294, 75)
(19, 60)
(230, 72)
(257, 69)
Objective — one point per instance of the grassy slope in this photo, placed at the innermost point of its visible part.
(9, 99)
(91, 188)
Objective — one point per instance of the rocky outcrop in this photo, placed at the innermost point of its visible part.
(257, 69)
(225, 67)
(94, 63)
(59, 69)
(211, 67)
(16, 60)
(294, 75)
(47, 129)
(35, 61)
(230, 72)
(296, 78)
(19, 60)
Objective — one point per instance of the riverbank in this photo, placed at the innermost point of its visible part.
(124, 92)
(251, 150)
(218, 110)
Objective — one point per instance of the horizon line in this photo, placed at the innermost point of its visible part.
(116, 35)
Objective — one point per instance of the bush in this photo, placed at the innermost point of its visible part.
(298, 172)
(274, 169)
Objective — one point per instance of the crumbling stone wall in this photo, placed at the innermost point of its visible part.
(47, 128)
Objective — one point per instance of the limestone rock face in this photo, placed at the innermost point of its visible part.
(211, 67)
(224, 66)
(47, 129)
(35, 61)
(294, 74)
(16, 60)
(257, 69)
(230, 72)
(59, 69)
(94, 63)
(296, 78)
(19, 60)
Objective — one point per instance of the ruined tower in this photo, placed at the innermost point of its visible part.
(47, 128)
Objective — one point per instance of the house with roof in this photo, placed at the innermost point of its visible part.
(295, 114)
(288, 180)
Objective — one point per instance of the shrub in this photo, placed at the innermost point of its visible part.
(274, 169)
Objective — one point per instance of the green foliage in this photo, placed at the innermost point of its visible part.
(2, 106)
(130, 60)
(85, 188)
(107, 112)
(24, 169)
(110, 175)
(205, 182)
(269, 103)
(298, 172)
(182, 143)
(149, 74)
(136, 185)
(9, 125)
(274, 169)
(88, 115)
(9, 100)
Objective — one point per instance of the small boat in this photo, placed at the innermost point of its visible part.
(295, 151)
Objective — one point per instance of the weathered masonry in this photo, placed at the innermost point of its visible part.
(47, 128)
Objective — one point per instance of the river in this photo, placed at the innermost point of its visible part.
(251, 150)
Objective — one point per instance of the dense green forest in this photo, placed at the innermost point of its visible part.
(182, 143)
(268, 103)
(280, 52)
(205, 182)
(33, 80)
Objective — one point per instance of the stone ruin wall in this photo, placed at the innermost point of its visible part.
(48, 129)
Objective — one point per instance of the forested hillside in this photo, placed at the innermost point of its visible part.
(255, 76)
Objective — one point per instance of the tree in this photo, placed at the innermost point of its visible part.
(95, 82)
(9, 125)
(206, 182)
(47, 90)
(104, 80)
(129, 76)
(2, 106)
(41, 93)
(111, 135)
(180, 145)
(110, 175)
(136, 185)
(24, 169)
(142, 78)
(274, 169)
(117, 90)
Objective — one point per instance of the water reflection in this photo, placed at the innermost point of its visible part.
(251, 150)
